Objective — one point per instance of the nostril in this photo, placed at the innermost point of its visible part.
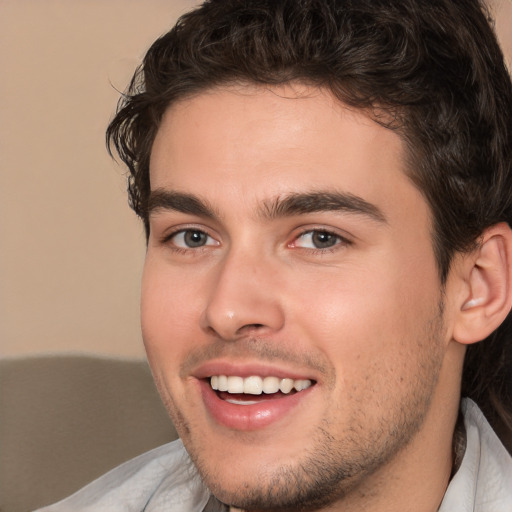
(250, 327)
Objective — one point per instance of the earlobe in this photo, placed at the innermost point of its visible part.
(488, 299)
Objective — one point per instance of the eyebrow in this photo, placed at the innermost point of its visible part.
(283, 206)
(313, 202)
(161, 199)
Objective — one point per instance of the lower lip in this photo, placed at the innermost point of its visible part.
(249, 417)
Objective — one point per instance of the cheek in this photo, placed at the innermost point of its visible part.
(367, 315)
(169, 310)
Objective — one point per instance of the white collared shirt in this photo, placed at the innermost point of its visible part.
(165, 480)
(483, 482)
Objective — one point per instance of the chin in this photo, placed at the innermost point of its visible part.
(253, 476)
(276, 487)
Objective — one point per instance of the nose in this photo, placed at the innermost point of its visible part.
(244, 298)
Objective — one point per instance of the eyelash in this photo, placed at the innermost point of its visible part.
(168, 239)
(341, 241)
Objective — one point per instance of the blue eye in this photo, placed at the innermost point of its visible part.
(317, 239)
(192, 239)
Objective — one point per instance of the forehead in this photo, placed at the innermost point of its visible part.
(258, 142)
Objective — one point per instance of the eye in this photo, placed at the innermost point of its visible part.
(191, 239)
(317, 239)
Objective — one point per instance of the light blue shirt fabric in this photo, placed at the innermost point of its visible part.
(165, 480)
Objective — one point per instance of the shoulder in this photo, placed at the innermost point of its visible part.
(483, 482)
(161, 479)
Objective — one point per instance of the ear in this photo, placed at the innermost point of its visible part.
(487, 297)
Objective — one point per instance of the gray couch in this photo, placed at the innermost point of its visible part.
(65, 420)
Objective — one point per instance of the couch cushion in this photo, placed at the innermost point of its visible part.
(65, 420)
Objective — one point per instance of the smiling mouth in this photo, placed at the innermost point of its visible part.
(242, 391)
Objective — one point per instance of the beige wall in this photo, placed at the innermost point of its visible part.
(70, 249)
(503, 13)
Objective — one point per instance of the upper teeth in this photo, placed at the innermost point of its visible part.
(255, 385)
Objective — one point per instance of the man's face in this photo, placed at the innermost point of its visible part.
(288, 248)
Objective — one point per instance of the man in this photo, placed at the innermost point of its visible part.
(326, 189)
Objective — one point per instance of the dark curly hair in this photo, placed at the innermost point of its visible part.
(432, 70)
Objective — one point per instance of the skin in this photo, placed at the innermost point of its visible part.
(366, 319)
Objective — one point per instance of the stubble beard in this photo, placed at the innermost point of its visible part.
(333, 468)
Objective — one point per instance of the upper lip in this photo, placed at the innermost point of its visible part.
(245, 369)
